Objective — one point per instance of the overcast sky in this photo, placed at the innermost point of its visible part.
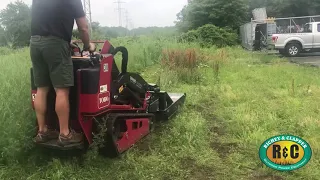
(141, 12)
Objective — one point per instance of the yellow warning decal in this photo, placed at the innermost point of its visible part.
(121, 89)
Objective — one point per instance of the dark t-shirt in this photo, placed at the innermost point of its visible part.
(55, 17)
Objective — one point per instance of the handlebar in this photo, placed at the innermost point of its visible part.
(91, 53)
(123, 50)
(75, 45)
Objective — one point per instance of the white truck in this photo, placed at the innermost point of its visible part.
(307, 39)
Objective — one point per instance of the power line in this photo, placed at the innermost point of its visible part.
(87, 10)
(119, 9)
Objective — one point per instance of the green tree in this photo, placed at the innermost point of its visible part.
(221, 13)
(3, 39)
(209, 35)
(16, 20)
(113, 32)
(96, 26)
(154, 31)
(182, 22)
(286, 8)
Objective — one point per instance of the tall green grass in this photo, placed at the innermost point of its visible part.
(15, 114)
(235, 100)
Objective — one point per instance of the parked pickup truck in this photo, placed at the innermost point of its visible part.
(307, 39)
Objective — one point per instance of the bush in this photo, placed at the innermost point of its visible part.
(173, 58)
(184, 63)
(211, 35)
(190, 36)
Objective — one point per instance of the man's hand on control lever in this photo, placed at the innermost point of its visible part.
(91, 47)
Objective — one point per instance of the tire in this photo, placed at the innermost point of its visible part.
(293, 49)
(282, 51)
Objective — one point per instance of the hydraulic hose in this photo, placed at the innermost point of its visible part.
(124, 63)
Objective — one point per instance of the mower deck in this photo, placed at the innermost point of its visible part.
(177, 96)
(53, 145)
(177, 99)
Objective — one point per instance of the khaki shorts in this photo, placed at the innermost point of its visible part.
(51, 62)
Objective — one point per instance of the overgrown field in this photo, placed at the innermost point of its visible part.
(235, 101)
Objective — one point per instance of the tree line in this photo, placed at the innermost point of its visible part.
(15, 30)
(234, 13)
(15, 19)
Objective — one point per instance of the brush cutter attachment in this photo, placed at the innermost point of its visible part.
(117, 107)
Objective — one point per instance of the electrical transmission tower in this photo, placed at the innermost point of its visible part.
(128, 20)
(87, 10)
(119, 9)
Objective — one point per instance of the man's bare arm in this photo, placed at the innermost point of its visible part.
(83, 28)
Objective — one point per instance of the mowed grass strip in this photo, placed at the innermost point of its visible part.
(236, 102)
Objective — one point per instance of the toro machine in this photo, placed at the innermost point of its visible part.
(122, 101)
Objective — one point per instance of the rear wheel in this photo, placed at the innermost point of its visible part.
(282, 51)
(293, 49)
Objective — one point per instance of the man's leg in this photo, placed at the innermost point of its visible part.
(60, 63)
(63, 109)
(42, 82)
(40, 104)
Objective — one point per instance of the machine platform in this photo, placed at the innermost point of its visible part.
(53, 145)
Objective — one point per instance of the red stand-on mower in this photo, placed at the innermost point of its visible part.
(122, 101)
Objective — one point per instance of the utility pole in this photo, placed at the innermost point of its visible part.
(87, 10)
(127, 21)
(132, 27)
(127, 18)
(119, 9)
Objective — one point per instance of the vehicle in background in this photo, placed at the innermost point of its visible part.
(306, 39)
